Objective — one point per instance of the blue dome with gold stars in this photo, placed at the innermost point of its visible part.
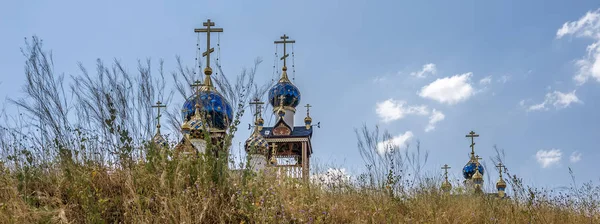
(286, 89)
(212, 104)
(469, 169)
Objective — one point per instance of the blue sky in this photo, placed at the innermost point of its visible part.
(509, 70)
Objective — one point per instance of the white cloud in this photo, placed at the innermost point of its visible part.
(427, 69)
(557, 99)
(504, 79)
(394, 143)
(486, 80)
(575, 157)
(587, 26)
(547, 158)
(391, 110)
(449, 90)
(379, 79)
(436, 116)
(333, 177)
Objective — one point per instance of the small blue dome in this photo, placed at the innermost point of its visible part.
(286, 89)
(214, 104)
(469, 169)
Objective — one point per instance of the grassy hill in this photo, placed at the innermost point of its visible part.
(190, 190)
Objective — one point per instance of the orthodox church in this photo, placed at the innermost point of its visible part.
(207, 115)
(473, 174)
(284, 148)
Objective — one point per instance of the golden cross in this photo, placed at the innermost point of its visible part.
(273, 159)
(472, 135)
(445, 168)
(284, 41)
(308, 106)
(256, 102)
(158, 106)
(281, 98)
(500, 166)
(197, 84)
(208, 30)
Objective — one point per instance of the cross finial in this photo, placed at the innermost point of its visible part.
(284, 41)
(472, 135)
(281, 98)
(258, 105)
(308, 106)
(500, 167)
(197, 84)
(208, 71)
(158, 106)
(273, 159)
(445, 168)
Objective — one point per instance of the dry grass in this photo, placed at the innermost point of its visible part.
(185, 191)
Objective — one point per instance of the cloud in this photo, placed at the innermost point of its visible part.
(486, 80)
(449, 90)
(557, 99)
(379, 79)
(394, 143)
(436, 116)
(427, 69)
(391, 110)
(588, 26)
(333, 177)
(547, 158)
(504, 79)
(575, 157)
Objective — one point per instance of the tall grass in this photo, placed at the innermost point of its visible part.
(85, 159)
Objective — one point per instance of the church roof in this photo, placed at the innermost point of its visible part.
(299, 131)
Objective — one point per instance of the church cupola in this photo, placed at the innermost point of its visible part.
(478, 178)
(158, 139)
(215, 110)
(285, 89)
(501, 185)
(307, 119)
(446, 186)
(256, 145)
(469, 169)
(206, 111)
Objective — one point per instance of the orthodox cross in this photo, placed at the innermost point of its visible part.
(281, 98)
(273, 159)
(256, 102)
(477, 158)
(284, 41)
(445, 168)
(500, 166)
(158, 106)
(308, 106)
(197, 84)
(208, 30)
(472, 135)
(258, 105)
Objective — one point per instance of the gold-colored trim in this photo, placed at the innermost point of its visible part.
(286, 140)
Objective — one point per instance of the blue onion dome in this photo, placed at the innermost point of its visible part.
(256, 144)
(469, 169)
(286, 89)
(213, 107)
